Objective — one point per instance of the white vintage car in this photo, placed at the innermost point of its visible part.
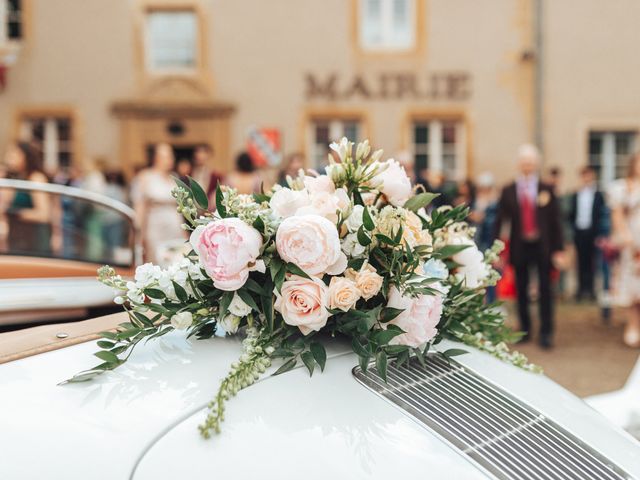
(474, 418)
(48, 267)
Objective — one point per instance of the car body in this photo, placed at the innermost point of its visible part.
(84, 230)
(140, 421)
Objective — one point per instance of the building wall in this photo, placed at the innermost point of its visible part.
(86, 56)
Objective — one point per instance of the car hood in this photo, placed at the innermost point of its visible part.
(140, 420)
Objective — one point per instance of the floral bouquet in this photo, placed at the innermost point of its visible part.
(350, 253)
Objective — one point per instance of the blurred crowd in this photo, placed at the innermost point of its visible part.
(546, 229)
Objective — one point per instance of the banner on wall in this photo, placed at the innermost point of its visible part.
(264, 146)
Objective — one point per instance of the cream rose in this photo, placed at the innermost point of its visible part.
(182, 320)
(419, 318)
(367, 280)
(343, 293)
(302, 303)
(327, 204)
(311, 242)
(228, 250)
(286, 202)
(394, 183)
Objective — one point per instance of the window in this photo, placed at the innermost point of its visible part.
(171, 40)
(609, 153)
(440, 145)
(387, 24)
(53, 135)
(11, 27)
(324, 131)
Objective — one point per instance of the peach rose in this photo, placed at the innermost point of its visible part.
(228, 250)
(395, 183)
(367, 280)
(302, 303)
(343, 293)
(311, 242)
(419, 318)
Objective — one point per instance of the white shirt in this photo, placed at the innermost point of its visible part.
(527, 186)
(584, 207)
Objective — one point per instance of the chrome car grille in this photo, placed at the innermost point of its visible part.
(500, 433)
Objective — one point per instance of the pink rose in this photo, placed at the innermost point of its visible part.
(394, 183)
(228, 250)
(311, 242)
(302, 303)
(419, 319)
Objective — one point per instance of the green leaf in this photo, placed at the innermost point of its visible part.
(454, 352)
(258, 224)
(364, 363)
(319, 354)
(199, 194)
(253, 286)
(419, 201)
(296, 270)
(105, 344)
(279, 280)
(309, 362)
(107, 356)
(450, 250)
(181, 293)
(222, 210)
(367, 221)
(248, 299)
(389, 313)
(383, 337)
(360, 349)
(225, 301)
(109, 335)
(83, 376)
(260, 197)
(154, 293)
(395, 349)
(381, 364)
(286, 366)
(363, 238)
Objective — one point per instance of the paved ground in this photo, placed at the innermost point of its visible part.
(589, 356)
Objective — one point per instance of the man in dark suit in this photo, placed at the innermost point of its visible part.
(585, 215)
(535, 237)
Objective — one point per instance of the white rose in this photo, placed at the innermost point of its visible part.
(472, 270)
(238, 307)
(285, 202)
(343, 294)
(354, 221)
(181, 320)
(229, 323)
(321, 183)
(311, 242)
(395, 183)
(352, 247)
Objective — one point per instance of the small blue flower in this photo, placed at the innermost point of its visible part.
(435, 268)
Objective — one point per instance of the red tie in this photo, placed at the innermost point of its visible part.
(528, 214)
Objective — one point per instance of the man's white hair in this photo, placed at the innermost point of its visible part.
(528, 150)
